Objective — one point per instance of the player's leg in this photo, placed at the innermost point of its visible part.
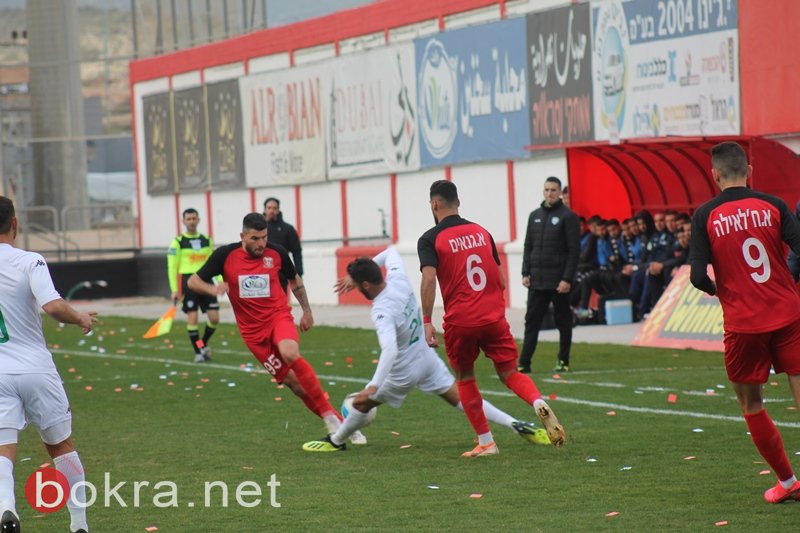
(462, 349)
(538, 302)
(356, 418)
(794, 385)
(9, 521)
(47, 409)
(194, 334)
(67, 461)
(499, 345)
(210, 307)
(562, 314)
(12, 420)
(748, 360)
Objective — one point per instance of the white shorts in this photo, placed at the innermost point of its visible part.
(36, 399)
(429, 375)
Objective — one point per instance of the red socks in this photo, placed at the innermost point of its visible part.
(472, 403)
(769, 443)
(314, 396)
(524, 387)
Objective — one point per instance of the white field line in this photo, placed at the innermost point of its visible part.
(565, 399)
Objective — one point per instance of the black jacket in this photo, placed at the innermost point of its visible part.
(552, 246)
(284, 234)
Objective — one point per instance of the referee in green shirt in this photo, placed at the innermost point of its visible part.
(186, 254)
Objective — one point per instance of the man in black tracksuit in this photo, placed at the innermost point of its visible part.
(282, 233)
(549, 263)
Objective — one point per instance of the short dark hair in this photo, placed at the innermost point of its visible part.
(446, 190)
(612, 222)
(190, 211)
(729, 159)
(627, 221)
(254, 221)
(7, 214)
(272, 199)
(365, 269)
(553, 179)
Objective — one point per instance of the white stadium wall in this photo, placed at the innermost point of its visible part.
(487, 192)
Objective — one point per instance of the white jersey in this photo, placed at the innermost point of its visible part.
(398, 322)
(25, 286)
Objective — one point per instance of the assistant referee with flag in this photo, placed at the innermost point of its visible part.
(186, 254)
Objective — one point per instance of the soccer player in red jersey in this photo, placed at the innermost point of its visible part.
(741, 233)
(462, 256)
(255, 275)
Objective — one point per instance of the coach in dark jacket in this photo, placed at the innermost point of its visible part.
(549, 263)
(282, 233)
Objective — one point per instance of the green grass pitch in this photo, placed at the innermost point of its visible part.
(633, 462)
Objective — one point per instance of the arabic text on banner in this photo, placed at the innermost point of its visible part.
(559, 55)
(372, 125)
(472, 93)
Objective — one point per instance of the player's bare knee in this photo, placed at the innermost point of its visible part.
(290, 351)
(62, 448)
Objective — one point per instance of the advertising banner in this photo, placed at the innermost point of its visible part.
(225, 135)
(158, 154)
(190, 139)
(684, 317)
(284, 136)
(560, 66)
(472, 89)
(662, 68)
(372, 124)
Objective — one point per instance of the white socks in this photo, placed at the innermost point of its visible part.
(493, 414)
(7, 500)
(787, 483)
(332, 422)
(70, 465)
(355, 420)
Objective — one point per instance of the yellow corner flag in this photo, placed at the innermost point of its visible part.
(162, 325)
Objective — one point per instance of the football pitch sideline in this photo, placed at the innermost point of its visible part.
(655, 442)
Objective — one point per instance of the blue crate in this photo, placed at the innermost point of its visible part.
(618, 312)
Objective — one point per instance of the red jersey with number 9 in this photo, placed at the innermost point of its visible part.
(467, 268)
(741, 233)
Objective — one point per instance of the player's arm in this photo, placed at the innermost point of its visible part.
(700, 255)
(201, 281)
(526, 253)
(790, 228)
(41, 285)
(428, 262)
(496, 258)
(295, 283)
(173, 261)
(387, 337)
(572, 232)
(427, 298)
(63, 312)
(293, 244)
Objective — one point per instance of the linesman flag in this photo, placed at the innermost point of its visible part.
(163, 325)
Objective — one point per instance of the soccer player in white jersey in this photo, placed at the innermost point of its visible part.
(406, 361)
(30, 387)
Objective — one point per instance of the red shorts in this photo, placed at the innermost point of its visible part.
(463, 344)
(748, 356)
(264, 345)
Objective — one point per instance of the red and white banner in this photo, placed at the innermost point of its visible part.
(284, 126)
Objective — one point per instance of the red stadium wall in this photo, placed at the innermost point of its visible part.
(769, 32)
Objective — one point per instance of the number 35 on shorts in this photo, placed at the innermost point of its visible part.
(273, 364)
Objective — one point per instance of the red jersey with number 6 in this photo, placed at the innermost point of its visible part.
(467, 267)
(741, 233)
